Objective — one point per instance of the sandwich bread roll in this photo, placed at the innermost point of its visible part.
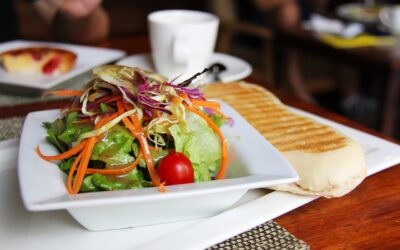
(328, 163)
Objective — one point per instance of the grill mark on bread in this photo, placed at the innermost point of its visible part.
(316, 147)
(279, 128)
(249, 106)
(296, 134)
(284, 129)
(245, 94)
(304, 138)
(262, 111)
(228, 92)
(283, 121)
(249, 98)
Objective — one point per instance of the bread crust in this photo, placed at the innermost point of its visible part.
(329, 163)
(38, 60)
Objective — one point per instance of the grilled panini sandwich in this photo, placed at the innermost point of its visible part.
(328, 163)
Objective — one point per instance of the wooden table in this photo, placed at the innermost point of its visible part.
(382, 60)
(367, 218)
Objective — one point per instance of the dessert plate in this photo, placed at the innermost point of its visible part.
(87, 58)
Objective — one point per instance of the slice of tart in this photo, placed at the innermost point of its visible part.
(38, 60)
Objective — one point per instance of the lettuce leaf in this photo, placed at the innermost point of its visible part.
(64, 131)
(114, 148)
(218, 120)
(200, 144)
(99, 182)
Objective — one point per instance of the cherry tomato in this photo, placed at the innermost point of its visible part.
(175, 168)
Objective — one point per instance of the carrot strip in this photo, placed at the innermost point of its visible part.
(162, 188)
(64, 155)
(224, 160)
(115, 98)
(105, 120)
(156, 113)
(71, 173)
(144, 147)
(120, 107)
(80, 174)
(206, 104)
(77, 93)
(147, 118)
(152, 148)
(136, 122)
(119, 171)
(226, 118)
(108, 99)
(128, 106)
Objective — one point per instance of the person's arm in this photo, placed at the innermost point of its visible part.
(80, 21)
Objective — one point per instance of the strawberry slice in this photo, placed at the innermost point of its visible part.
(51, 65)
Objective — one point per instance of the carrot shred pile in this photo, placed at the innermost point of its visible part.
(84, 149)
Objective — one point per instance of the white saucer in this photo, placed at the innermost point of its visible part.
(236, 68)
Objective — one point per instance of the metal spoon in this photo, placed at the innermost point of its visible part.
(216, 69)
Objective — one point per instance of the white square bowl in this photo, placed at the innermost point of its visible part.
(253, 163)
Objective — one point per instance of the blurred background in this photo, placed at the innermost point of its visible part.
(336, 54)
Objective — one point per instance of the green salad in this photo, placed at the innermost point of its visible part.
(130, 128)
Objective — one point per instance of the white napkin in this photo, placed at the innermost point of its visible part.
(324, 25)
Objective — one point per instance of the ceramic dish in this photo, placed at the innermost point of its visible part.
(87, 58)
(253, 163)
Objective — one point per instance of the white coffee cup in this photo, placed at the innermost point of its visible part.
(390, 17)
(182, 41)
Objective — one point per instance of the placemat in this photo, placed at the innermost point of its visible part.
(11, 127)
(269, 235)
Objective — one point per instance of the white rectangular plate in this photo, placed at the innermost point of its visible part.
(21, 229)
(43, 185)
(87, 58)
